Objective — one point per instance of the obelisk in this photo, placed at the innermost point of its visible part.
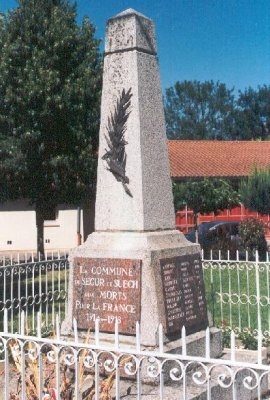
(135, 266)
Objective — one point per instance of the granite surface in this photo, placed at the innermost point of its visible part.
(130, 30)
(135, 266)
(149, 205)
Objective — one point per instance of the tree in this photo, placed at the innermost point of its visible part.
(252, 114)
(50, 82)
(207, 195)
(198, 110)
(255, 191)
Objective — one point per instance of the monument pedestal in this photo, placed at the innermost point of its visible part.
(135, 266)
(149, 277)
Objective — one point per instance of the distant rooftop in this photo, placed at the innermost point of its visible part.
(213, 158)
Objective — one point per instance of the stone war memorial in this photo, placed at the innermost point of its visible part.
(136, 266)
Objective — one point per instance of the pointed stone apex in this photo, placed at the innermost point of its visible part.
(130, 30)
(129, 12)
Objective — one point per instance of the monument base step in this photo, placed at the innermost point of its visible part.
(195, 343)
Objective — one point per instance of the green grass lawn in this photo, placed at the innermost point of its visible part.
(231, 294)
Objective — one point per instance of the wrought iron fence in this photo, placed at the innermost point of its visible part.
(71, 368)
(238, 294)
(101, 368)
(39, 286)
(15, 258)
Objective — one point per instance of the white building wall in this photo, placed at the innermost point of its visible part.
(62, 232)
(18, 228)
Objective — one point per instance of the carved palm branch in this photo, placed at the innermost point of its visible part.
(115, 154)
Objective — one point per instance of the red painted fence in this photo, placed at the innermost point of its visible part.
(185, 221)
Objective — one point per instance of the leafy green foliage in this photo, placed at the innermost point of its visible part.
(226, 338)
(247, 338)
(50, 82)
(252, 114)
(198, 110)
(208, 110)
(251, 232)
(207, 195)
(255, 191)
(249, 341)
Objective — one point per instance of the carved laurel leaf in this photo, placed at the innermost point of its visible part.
(115, 154)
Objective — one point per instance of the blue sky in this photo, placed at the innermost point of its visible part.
(223, 40)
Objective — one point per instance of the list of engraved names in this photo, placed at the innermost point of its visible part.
(183, 290)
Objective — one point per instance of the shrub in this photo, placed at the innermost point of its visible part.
(251, 232)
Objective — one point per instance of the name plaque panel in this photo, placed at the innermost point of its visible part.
(108, 289)
(184, 295)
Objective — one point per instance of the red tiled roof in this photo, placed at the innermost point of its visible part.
(205, 158)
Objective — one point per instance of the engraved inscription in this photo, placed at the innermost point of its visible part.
(109, 290)
(173, 297)
(184, 293)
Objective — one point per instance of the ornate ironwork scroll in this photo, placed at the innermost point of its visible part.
(115, 155)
